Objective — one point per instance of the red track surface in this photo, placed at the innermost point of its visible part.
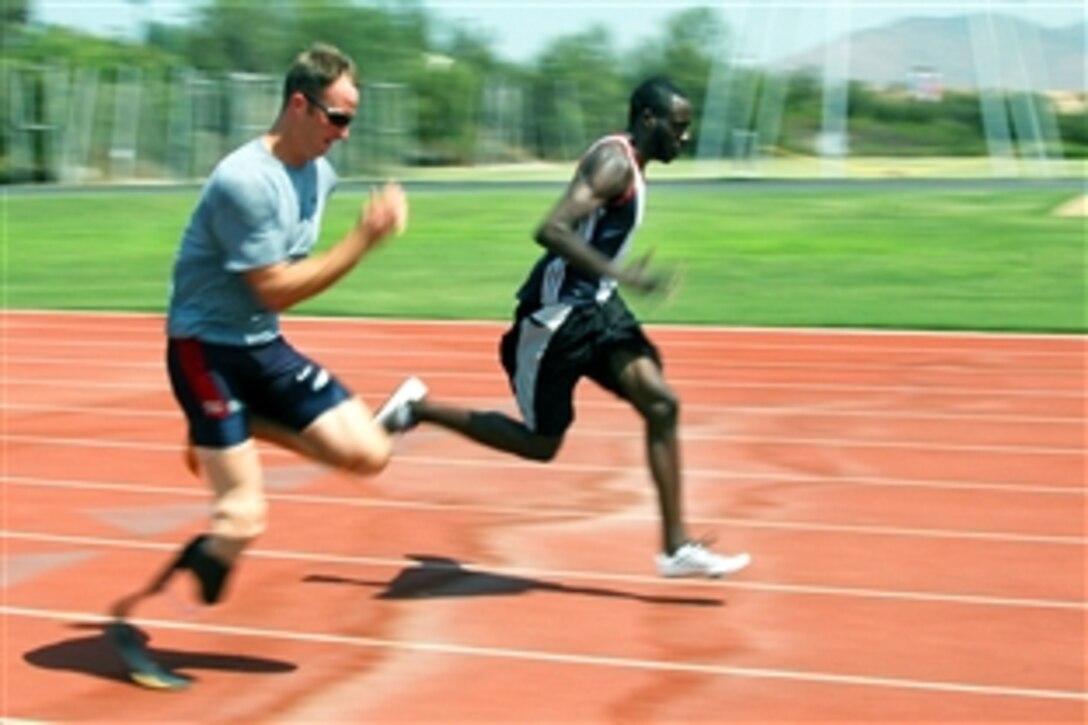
(915, 505)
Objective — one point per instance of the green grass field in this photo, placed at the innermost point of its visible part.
(948, 257)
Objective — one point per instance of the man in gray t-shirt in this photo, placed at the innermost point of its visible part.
(244, 258)
(255, 211)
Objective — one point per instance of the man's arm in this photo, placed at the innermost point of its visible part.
(285, 284)
(603, 175)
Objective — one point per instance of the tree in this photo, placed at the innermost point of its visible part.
(686, 50)
(448, 86)
(228, 36)
(578, 93)
(14, 12)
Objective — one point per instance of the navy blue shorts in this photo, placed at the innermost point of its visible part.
(220, 386)
(544, 365)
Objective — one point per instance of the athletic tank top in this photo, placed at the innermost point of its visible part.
(610, 230)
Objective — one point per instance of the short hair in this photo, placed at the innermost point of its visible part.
(315, 69)
(655, 94)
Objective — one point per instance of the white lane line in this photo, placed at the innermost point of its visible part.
(151, 323)
(470, 462)
(553, 512)
(926, 446)
(75, 352)
(980, 600)
(722, 367)
(813, 411)
(564, 658)
(717, 474)
(990, 393)
(1004, 537)
(699, 433)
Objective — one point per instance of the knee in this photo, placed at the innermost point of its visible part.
(368, 461)
(357, 453)
(542, 449)
(240, 520)
(663, 412)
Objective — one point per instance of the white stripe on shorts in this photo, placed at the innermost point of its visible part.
(534, 335)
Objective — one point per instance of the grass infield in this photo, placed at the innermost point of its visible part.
(947, 256)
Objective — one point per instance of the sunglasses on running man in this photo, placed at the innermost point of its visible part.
(340, 119)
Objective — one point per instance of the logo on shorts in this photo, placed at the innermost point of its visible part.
(320, 380)
(219, 408)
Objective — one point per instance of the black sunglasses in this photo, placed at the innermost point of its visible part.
(340, 119)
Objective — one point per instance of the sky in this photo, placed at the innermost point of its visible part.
(520, 29)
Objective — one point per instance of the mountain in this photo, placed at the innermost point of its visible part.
(965, 52)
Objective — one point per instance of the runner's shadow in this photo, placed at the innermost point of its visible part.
(438, 576)
(95, 656)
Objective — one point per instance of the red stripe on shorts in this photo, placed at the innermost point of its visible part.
(212, 400)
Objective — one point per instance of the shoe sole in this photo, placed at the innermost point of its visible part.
(139, 666)
(738, 562)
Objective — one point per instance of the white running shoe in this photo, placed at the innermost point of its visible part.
(695, 559)
(396, 414)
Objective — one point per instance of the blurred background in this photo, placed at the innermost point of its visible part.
(157, 90)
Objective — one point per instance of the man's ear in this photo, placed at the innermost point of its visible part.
(297, 101)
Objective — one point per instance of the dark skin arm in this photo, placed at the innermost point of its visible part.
(604, 174)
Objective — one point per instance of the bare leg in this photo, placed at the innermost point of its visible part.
(235, 476)
(492, 429)
(641, 379)
(344, 437)
(261, 429)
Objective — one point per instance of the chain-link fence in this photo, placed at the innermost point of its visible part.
(84, 125)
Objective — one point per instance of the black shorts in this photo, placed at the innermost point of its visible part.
(546, 352)
(220, 386)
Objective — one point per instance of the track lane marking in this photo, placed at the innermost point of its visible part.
(596, 576)
(566, 658)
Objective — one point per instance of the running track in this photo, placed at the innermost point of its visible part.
(915, 504)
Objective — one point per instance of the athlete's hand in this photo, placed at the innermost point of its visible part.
(385, 213)
(640, 278)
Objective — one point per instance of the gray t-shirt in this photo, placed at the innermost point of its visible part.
(255, 211)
